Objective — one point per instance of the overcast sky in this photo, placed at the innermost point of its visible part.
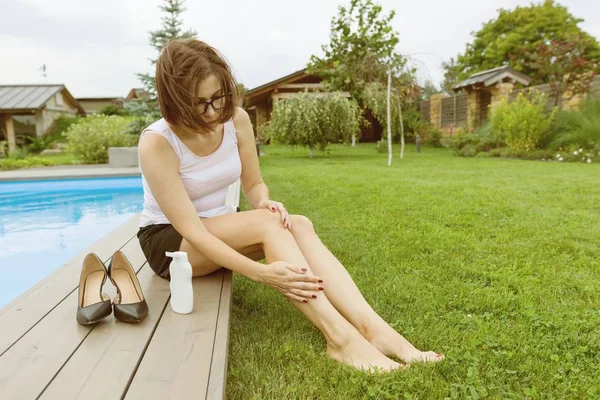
(96, 47)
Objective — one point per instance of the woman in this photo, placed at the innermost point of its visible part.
(203, 144)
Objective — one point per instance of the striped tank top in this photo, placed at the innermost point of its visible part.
(206, 179)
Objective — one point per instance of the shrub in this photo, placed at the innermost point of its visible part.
(112, 109)
(37, 145)
(523, 123)
(20, 153)
(11, 163)
(314, 122)
(579, 128)
(61, 125)
(89, 140)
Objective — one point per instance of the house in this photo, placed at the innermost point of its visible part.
(136, 93)
(93, 105)
(486, 89)
(31, 109)
(259, 101)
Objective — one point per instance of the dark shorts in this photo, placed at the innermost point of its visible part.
(155, 240)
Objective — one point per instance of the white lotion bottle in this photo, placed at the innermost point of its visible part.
(182, 292)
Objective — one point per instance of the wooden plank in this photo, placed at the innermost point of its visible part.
(177, 362)
(218, 369)
(102, 366)
(32, 362)
(20, 315)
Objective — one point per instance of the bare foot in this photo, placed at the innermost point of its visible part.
(360, 354)
(391, 343)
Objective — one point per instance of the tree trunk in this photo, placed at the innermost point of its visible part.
(312, 153)
(353, 140)
(401, 130)
(389, 117)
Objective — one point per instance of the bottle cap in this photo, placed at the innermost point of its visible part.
(179, 256)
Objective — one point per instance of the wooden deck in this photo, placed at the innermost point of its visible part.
(45, 353)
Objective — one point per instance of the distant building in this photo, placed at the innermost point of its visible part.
(31, 109)
(259, 101)
(93, 105)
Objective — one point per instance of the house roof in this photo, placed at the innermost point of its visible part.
(492, 76)
(31, 97)
(271, 85)
(136, 93)
(99, 98)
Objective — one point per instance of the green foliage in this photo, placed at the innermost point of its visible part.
(172, 28)
(20, 153)
(523, 123)
(434, 137)
(451, 75)
(14, 163)
(565, 65)
(89, 140)
(517, 33)
(314, 122)
(112, 109)
(361, 50)
(61, 125)
(37, 145)
(3, 148)
(580, 128)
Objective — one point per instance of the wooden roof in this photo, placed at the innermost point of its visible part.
(29, 98)
(492, 76)
(262, 92)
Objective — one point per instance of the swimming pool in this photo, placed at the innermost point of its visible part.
(44, 223)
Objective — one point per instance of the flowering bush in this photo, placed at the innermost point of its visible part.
(523, 124)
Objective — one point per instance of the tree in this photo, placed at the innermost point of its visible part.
(429, 89)
(362, 48)
(171, 29)
(565, 64)
(314, 121)
(522, 28)
(361, 54)
(451, 74)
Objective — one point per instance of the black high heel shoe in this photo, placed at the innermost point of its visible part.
(93, 305)
(129, 304)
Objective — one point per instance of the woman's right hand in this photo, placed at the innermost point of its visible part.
(291, 281)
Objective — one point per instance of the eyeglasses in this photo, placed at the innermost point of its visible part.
(218, 103)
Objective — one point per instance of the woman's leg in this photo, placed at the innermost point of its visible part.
(243, 231)
(347, 299)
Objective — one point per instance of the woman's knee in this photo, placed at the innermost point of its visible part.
(266, 220)
(301, 224)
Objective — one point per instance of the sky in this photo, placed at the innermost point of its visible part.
(96, 47)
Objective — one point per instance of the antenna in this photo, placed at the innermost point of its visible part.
(44, 74)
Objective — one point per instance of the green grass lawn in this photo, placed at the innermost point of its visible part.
(493, 262)
(59, 159)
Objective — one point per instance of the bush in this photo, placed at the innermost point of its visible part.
(89, 140)
(579, 128)
(314, 122)
(11, 163)
(468, 150)
(112, 109)
(20, 153)
(3, 148)
(523, 123)
(60, 126)
(37, 145)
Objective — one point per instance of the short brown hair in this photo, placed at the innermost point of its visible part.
(182, 65)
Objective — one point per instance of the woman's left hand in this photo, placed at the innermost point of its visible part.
(276, 206)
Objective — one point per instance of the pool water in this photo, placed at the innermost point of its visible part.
(45, 223)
